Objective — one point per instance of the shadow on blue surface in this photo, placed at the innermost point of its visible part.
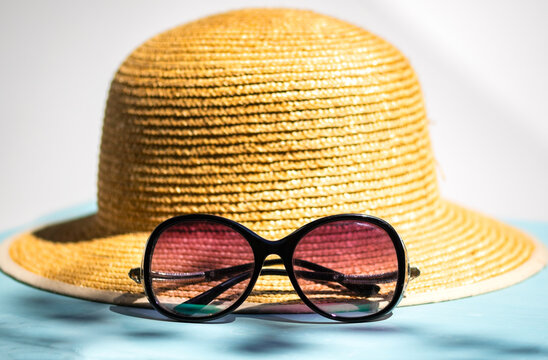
(152, 314)
(291, 318)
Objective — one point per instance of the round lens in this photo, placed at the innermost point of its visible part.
(348, 269)
(200, 268)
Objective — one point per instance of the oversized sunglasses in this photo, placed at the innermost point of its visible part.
(345, 267)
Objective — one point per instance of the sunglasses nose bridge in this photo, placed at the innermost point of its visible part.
(268, 247)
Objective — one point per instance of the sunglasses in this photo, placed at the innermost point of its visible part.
(347, 267)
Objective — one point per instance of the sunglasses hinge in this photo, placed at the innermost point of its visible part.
(135, 275)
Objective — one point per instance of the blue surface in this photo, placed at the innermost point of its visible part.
(506, 324)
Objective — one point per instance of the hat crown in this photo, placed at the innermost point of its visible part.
(270, 117)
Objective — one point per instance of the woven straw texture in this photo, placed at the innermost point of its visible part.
(272, 118)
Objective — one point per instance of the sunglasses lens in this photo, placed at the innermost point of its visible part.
(200, 268)
(348, 269)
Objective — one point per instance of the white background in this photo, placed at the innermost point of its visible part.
(482, 65)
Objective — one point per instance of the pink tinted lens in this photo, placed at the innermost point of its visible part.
(200, 268)
(347, 268)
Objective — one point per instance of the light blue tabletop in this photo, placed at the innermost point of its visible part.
(506, 324)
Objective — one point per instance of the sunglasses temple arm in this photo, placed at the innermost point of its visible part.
(320, 273)
(327, 274)
(208, 296)
(135, 274)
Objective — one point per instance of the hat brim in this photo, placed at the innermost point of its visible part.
(460, 253)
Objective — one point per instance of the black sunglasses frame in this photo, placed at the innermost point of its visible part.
(285, 249)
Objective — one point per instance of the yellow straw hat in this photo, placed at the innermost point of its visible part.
(272, 118)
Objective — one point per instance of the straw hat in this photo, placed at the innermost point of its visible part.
(272, 118)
